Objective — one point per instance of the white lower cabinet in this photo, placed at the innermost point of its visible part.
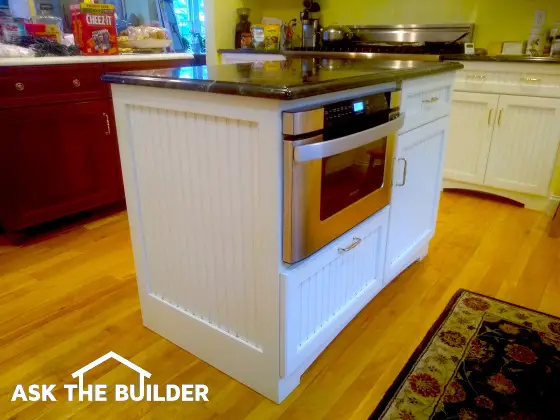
(320, 295)
(505, 131)
(415, 195)
(524, 144)
(505, 142)
(470, 133)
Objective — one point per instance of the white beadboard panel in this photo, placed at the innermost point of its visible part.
(197, 176)
(321, 294)
(415, 196)
(470, 133)
(524, 144)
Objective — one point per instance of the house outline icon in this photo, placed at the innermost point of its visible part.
(111, 355)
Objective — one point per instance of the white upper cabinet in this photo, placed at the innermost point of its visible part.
(524, 144)
(470, 134)
(415, 195)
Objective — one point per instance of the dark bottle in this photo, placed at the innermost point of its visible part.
(243, 37)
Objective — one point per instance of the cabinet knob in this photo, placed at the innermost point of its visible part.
(19, 86)
(76, 82)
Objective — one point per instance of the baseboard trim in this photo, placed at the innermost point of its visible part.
(553, 202)
(532, 202)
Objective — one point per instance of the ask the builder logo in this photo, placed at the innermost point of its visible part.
(98, 392)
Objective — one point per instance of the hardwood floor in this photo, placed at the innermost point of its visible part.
(71, 297)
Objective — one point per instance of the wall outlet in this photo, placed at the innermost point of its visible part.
(469, 48)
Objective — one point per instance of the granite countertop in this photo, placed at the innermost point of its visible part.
(78, 59)
(290, 79)
(502, 58)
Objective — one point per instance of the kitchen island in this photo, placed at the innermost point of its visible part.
(204, 166)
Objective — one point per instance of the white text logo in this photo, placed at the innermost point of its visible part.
(121, 392)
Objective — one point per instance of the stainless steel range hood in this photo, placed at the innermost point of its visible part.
(413, 33)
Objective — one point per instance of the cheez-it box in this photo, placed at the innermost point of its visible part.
(94, 28)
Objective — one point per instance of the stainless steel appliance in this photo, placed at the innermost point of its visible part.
(394, 42)
(336, 34)
(338, 162)
(310, 32)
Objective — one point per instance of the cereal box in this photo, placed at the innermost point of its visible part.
(41, 30)
(94, 28)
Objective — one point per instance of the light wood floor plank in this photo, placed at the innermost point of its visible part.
(70, 297)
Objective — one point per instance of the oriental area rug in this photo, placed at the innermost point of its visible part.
(482, 359)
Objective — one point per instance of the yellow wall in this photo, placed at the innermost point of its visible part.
(495, 20)
(221, 17)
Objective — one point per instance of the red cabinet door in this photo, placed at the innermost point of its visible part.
(56, 160)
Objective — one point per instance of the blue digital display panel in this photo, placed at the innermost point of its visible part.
(358, 107)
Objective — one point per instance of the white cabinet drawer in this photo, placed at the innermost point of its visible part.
(511, 79)
(321, 294)
(426, 99)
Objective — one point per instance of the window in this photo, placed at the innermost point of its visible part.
(190, 21)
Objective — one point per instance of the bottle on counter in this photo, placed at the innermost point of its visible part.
(243, 37)
(555, 48)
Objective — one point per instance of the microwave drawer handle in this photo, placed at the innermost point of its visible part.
(314, 151)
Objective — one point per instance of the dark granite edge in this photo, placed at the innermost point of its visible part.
(501, 58)
(279, 92)
(250, 51)
(211, 86)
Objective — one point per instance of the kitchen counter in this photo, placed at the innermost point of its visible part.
(38, 61)
(502, 58)
(290, 79)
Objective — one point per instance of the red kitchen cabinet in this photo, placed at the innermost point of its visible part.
(58, 146)
(57, 160)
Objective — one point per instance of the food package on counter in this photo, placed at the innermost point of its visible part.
(94, 28)
(42, 30)
(272, 37)
(258, 36)
(12, 29)
(7, 50)
(137, 33)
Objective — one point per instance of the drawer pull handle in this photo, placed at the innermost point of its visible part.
(405, 170)
(431, 100)
(500, 117)
(476, 76)
(530, 79)
(20, 86)
(108, 132)
(76, 82)
(490, 116)
(354, 244)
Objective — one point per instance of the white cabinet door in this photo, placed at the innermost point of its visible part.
(416, 190)
(524, 144)
(470, 133)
